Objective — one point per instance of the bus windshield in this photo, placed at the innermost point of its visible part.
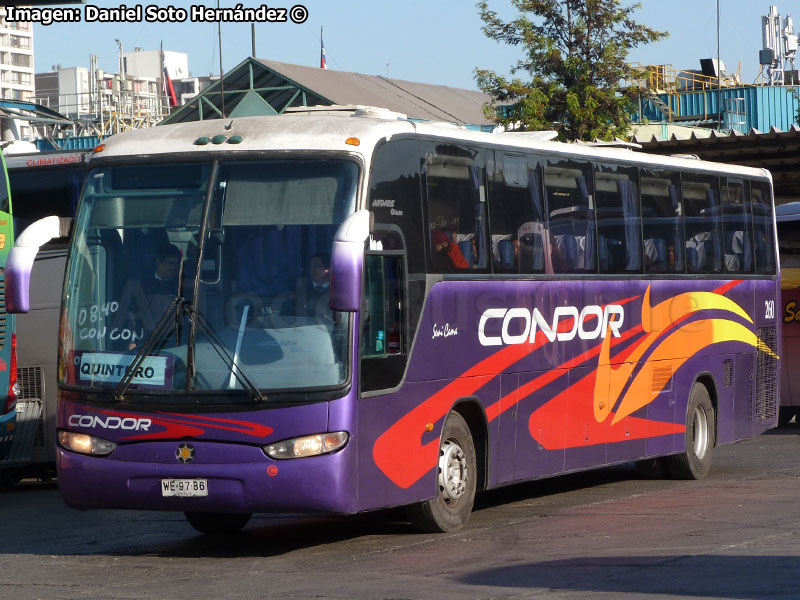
(207, 277)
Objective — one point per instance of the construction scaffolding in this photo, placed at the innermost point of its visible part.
(108, 112)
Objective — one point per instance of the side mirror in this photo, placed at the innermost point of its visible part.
(21, 257)
(347, 262)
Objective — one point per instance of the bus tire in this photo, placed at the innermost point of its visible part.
(456, 481)
(217, 523)
(695, 461)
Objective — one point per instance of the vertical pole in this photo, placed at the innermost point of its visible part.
(719, 79)
(221, 86)
(253, 36)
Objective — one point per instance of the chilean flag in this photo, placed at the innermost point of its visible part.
(323, 64)
(167, 88)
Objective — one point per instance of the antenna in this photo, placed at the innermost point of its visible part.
(790, 50)
(771, 55)
(221, 84)
(779, 48)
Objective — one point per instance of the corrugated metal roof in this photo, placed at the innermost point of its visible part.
(283, 85)
(417, 100)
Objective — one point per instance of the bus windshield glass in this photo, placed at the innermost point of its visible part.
(207, 277)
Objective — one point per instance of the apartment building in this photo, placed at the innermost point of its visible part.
(16, 68)
(16, 59)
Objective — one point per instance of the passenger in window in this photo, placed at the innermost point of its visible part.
(313, 291)
(446, 255)
(163, 280)
(144, 301)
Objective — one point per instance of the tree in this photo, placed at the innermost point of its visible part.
(574, 58)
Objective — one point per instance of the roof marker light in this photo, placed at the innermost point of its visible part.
(236, 139)
(353, 141)
(201, 141)
(99, 148)
(219, 139)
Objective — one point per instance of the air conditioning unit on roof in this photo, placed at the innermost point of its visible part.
(351, 110)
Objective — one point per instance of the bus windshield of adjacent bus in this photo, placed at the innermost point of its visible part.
(199, 275)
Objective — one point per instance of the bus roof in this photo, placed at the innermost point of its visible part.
(358, 130)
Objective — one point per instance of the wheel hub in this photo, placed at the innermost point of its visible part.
(700, 432)
(453, 472)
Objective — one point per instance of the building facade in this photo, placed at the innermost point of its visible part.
(16, 65)
(16, 59)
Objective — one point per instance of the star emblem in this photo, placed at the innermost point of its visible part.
(184, 453)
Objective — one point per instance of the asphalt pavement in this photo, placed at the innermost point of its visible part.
(601, 535)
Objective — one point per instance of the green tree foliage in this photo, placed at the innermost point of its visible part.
(574, 57)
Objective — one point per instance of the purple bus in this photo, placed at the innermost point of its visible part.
(341, 310)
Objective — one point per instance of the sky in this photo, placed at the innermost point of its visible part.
(430, 41)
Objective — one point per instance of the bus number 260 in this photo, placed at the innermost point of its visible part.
(769, 309)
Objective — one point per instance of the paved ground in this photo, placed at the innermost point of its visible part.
(605, 535)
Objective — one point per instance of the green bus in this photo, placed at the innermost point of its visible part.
(8, 340)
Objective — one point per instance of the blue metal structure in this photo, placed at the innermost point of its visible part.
(86, 142)
(765, 107)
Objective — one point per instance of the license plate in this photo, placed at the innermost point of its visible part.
(184, 487)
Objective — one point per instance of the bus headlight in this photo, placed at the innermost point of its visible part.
(309, 445)
(85, 444)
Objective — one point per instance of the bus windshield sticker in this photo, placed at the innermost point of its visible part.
(106, 367)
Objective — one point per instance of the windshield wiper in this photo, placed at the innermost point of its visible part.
(197, 318)
(182, 307)
(179, 305)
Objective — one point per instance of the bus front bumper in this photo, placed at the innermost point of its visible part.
(237, 479)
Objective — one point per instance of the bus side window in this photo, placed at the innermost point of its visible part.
(663, 242)
(702, 221)
(570, 206)
(456, 198)
(384, 339)
(763, 240)
(619, 248)
(737, 235)
(519, 239)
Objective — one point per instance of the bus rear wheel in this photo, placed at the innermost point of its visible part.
(695, 461)
(456, 481)
(217, 523)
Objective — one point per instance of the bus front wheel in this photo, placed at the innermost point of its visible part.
(456, 481)
(695, 461)
(217, 523)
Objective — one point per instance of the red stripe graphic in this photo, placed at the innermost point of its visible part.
(177, 426)
(399, 451)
